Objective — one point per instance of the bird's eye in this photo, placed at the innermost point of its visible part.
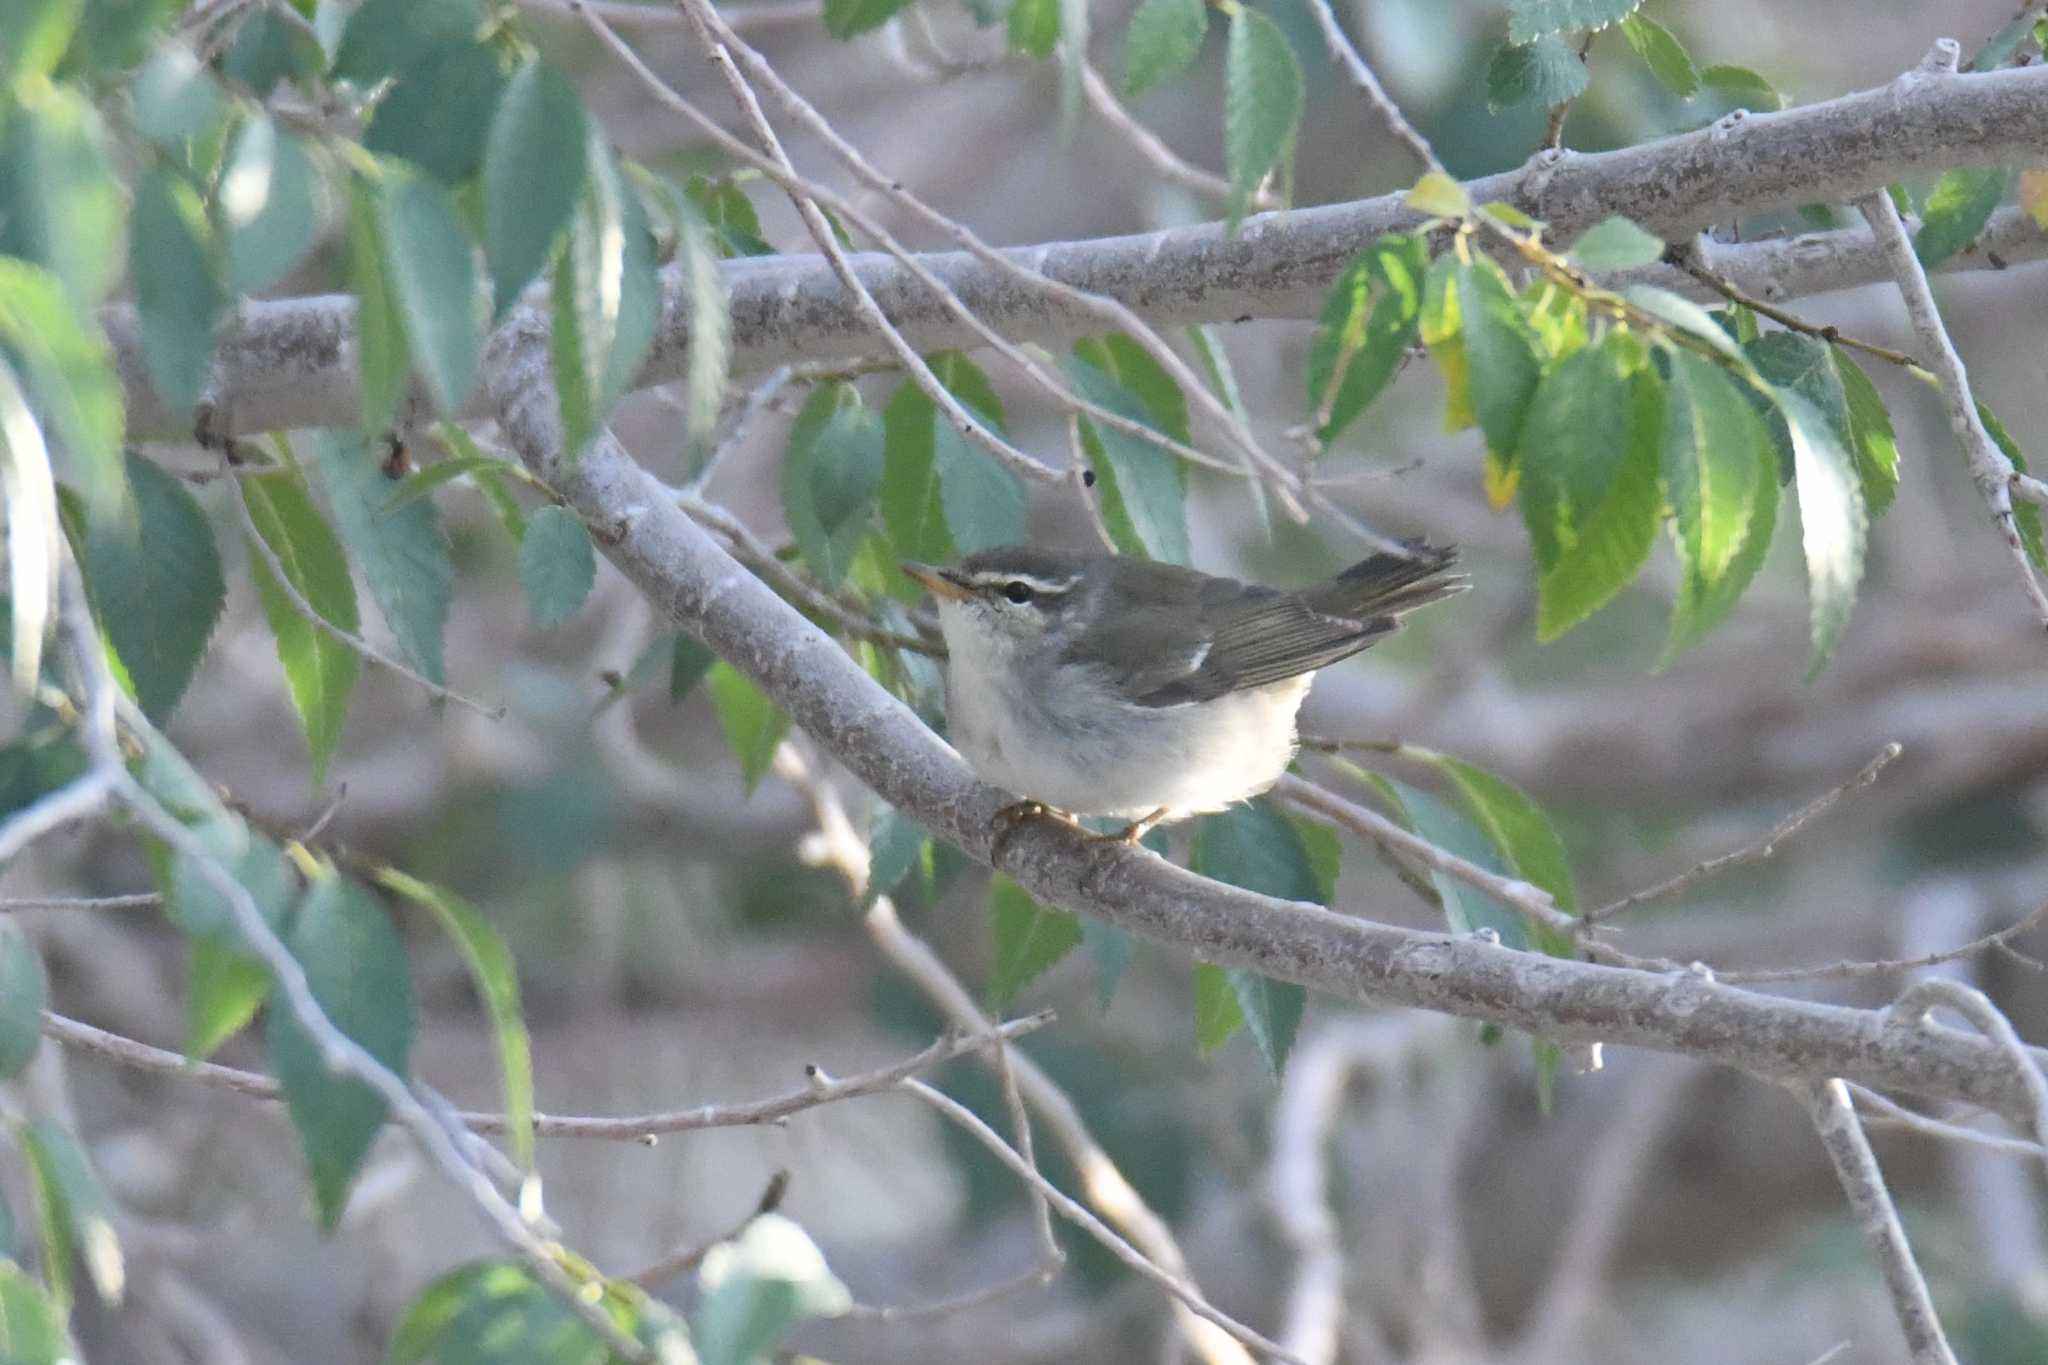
(1017, 592)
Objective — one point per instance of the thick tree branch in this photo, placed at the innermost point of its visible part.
(290, 362)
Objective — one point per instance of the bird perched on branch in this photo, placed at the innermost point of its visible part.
(1093, 685)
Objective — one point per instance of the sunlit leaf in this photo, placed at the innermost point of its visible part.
(1615, 244)
(2026, 515)
(1957, 209)
(1872, 444)
(34, 533)
(1663, 53)
(1832, 521)
(757, 1286)
(1217, 1012)
(269, 200)
(319, 669)
(1370, 319)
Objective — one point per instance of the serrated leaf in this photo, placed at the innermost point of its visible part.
(1143, 487)
(730, 215)
(1523, 836)
(1164, 39)
(154, 577)
(24, 993)
(1543, 74)
(534, 166)
(1957, 209)
(402, 551)
(385, 35)
(1370, 318)
(1871, 442)
(176, 293)
(1502, 367)
(269, 202)
(439, 113)
(1589, 467)
(847, 18)
(496, 978)
(757, 1286)
(1028, 938)
(1217, 1012)
(942, 493)
(606, 299)
(435, 282)
(753, 724)
(357, 968)
(1530, 19)
(557, 565)
(75, 1214)
(383, 362)
(830, 471)
(1615, 244)
(1437, 194)
(1663, 53)
(1262, 105)
(1832, 521)
(1715, 451)
(319, 669)
(2026, 515)
(1738, 83)
(61, 202)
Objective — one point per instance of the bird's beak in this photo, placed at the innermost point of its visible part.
(943, 582)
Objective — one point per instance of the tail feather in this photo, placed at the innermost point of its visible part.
(1390, 584)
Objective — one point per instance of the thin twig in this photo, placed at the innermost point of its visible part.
(1754, 852)
(640, 1128)
(1988, 464)
(1689, 258)
(1863, 1181)
(355, 643)
(141, 900)
(687, 1258)
(1347, 55)
(1999, 939)
(1074, 1212)
(1032, 1277)
(1553, 132)
(1148, 144)
(735, 434)
(1916, 1004)
(1889, 1113)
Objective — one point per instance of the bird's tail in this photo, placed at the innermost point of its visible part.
(1391, 585)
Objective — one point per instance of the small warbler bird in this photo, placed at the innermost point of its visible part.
(1093, 685)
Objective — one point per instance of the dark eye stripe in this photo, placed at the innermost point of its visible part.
(1033, 586)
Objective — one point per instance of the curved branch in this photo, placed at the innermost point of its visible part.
(290, 362)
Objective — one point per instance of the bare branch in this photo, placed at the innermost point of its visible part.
(1856, 1167)
(1346, 54)
(1914, 1009)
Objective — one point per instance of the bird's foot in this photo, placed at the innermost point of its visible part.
(1130, 834)
(1005, 824)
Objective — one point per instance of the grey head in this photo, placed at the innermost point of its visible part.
(1018, 591)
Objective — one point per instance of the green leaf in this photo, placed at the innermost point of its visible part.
(1531, 19)
(438, 114)
(383, 364)
(1523, 837)
(422, 482)
(1034, 27)
(1832, 521)
(1111, 949)
(606, 299)
(1871, 443)
(556, 565)
(403, 554)
(730, 215)
(223, 990)
(753, 725)
(357, 968)
(1466, 908)
(942, 493)
(1615, 244)
(2026, 515)
(1740, 84)
(176, 293)
(1716, 451)
(270, 204)
(1369, 320)
(497, 1313)
(1684, 315)
(756, 1287)
(534, 169)
(24, 994)
(1164, 39)
(1502, 367)
(35, 533)
(1541, 74)
(319, 669)
(1589, 467)
(2003, 45)
(75, 1213)
(61, 202)
(32, 1326)
(155, 581)
(689, 661)
(497, 984)
(830, 471)
(1255, 847)
(71, 377)
(1144, 488)
(1957, 209)
(174, 97)
(269, 48)
(1262, 105)
(1436, 193)
(1661, 51)
(434, 280)
(385, 35)
(847, 18)
(257, 865)
(33, 36)
(1217, 1012)
(1029, 939)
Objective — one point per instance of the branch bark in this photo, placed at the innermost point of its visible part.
(290, 362)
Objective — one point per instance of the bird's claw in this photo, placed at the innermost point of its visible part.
(1005, 824)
